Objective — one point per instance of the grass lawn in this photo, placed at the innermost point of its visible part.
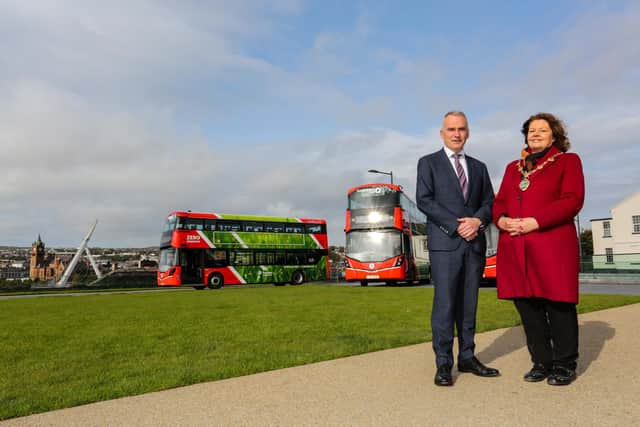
(61, 352)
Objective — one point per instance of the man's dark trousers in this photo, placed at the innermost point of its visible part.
(455, 277)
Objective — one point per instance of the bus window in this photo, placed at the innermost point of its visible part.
(253, 226)
(312, 258)
(280, 258)
(180, 223)
(190, 223)
(167, 259)
(265, 258)
(374, 246)
(406, 245)
(373, 197)
(215, 258)
(296, 258)
(229, 226)
(170, 223)
(294, 228)
(241, 258)
(274, 227)
(314, 228)
(209, 225)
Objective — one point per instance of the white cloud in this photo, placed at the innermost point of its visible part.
(128, 55)
(66, 163)
(89, 125)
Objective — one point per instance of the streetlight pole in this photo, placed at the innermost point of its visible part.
(390, 173)
(579, 241)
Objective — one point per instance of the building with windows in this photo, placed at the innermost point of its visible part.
(616, 240)
(13, 273)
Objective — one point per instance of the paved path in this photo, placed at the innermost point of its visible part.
(394, 388)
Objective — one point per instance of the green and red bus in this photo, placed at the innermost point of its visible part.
(385, 236)
(208, 249)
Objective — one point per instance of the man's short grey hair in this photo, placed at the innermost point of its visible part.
(456, 113)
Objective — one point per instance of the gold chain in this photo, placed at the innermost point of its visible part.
(524, 183)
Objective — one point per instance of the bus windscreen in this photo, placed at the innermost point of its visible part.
(373, 197)
(370, 246)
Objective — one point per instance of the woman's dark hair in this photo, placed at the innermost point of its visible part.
(561, 140)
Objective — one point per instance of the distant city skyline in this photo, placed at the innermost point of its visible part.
(123, 112)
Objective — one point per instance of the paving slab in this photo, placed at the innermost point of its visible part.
(395, 388)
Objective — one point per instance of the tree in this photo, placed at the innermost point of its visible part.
(333, 255)
(586, 242)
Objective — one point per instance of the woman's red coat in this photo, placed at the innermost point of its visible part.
(545, 262)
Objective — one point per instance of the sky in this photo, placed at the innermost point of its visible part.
(125, 111)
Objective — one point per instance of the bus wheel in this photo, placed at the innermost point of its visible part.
(364, 283)
(216, 281)
(297, 278)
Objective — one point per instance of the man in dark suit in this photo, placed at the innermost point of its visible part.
(455, 192)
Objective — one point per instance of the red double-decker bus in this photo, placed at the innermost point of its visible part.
(489, 274)
(207, 249)
(385, 236)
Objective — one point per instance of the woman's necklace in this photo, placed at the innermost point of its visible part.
(525, 182)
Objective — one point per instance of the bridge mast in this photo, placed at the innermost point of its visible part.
(72, 265)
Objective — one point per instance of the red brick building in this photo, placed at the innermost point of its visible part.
(44, 266)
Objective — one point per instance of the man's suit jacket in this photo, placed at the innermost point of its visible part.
(439, 196)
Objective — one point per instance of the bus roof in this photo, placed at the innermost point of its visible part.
(380, 184)
(207, 215)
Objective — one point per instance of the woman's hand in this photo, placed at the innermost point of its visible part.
(508, 224)
(518, 226)
(527, 225)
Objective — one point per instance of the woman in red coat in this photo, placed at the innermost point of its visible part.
(538, 252)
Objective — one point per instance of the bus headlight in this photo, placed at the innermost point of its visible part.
(374, 217)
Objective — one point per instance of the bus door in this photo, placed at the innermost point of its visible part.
(191, 263)
(409, 267)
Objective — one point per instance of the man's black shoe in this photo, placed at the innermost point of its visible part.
(443, 376)
(474, 366)
(537, 373)
(561, 376)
